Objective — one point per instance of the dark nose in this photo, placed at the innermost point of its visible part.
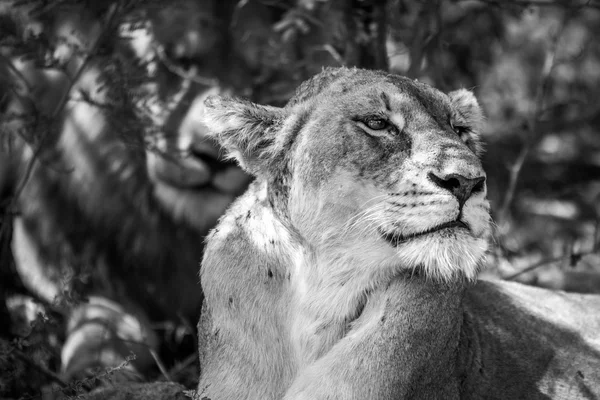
(460, 186)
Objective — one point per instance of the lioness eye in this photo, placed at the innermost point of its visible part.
(459, 129)
(376, 124)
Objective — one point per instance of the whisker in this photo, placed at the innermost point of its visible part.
(368, 209)
(368, 215)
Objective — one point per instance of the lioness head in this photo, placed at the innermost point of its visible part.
(369, 165)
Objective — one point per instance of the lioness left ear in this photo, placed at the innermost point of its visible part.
(465, 109)
(246, 130)
(466, 113)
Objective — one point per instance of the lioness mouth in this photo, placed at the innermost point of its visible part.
(395, 239)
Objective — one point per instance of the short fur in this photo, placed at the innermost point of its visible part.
(329, 278)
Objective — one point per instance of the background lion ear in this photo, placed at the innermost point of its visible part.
(465, 109)
(246, 130)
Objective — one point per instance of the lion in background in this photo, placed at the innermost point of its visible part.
(111, 215)
(348, 269)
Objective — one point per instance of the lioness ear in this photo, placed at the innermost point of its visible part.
(246, 130)
(467, 115)
(465, 109)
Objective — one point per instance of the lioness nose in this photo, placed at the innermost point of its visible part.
(460, 186)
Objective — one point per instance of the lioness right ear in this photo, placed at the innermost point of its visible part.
(246, 130)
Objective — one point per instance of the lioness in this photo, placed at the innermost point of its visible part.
(348, 269)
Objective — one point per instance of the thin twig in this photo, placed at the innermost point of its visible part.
(108, 24)
(333, 52)
(24, 98)
(65, 97)
(568, 258)
(161, 118)
(16, 71)
(160, 364)
(179, 367)
(162, 56)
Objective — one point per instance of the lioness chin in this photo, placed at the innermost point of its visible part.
(348, 269)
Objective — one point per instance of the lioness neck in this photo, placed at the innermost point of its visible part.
(327, 306)
(337, 291)
(413, 327)
(316, 305)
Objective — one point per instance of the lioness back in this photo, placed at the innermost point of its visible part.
(534, 343)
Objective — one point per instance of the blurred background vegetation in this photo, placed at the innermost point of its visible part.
(534, 66)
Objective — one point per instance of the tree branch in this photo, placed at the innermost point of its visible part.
(14, 69)
(188, 76)
(112, 12)
(571, 259)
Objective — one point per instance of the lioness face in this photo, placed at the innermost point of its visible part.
(379, 168)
